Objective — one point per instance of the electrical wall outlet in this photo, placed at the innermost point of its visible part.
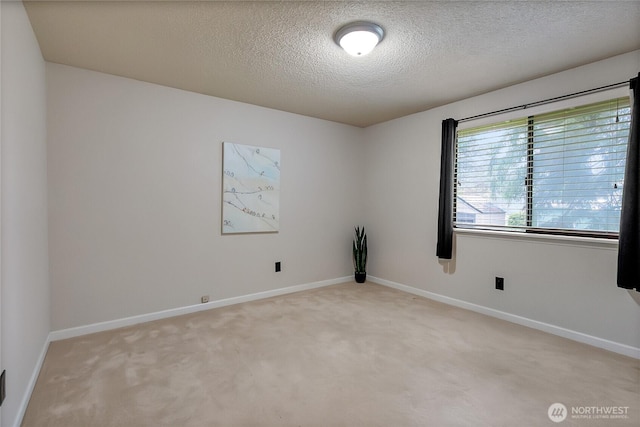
(278, 266)
(204, 299)
(500, 283)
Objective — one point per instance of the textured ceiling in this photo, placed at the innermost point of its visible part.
(282, 55)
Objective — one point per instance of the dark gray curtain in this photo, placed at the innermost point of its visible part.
(445, 206)
(629, 242)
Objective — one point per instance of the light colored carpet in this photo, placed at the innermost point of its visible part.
(344, 355)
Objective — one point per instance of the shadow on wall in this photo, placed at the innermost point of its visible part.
(635, 295)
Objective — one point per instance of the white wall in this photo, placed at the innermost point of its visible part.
(135, 193)
(567, 285)
(134, 178)
(134, 212)
(25, 283)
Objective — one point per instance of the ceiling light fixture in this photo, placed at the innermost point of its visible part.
(359, 38)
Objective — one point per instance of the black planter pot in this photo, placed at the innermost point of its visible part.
(360, 277)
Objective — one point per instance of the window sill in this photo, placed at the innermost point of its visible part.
(592, 242)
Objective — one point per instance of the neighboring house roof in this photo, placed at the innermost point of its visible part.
(480, 206)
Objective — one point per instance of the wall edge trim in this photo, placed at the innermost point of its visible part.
(134, 320)
(22, 408)
(594, 341)
(172, 312)
(615, 347)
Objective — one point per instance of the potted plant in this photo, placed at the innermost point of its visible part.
(360, 255)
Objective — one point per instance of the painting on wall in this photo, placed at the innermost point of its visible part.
(250, 189)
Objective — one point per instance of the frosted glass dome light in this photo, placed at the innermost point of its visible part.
(359, 38)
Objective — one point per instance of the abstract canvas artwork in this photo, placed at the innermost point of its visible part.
(250, 189)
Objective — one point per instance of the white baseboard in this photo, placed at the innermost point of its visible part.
(31, 384)
(134, 320)
(119, 323)
(624, 349)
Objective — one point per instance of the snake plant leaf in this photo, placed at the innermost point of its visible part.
(355, 256)
(360, 250)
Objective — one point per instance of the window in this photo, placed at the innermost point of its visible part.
(560, 172)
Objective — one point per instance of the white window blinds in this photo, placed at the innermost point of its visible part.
(559, 172)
